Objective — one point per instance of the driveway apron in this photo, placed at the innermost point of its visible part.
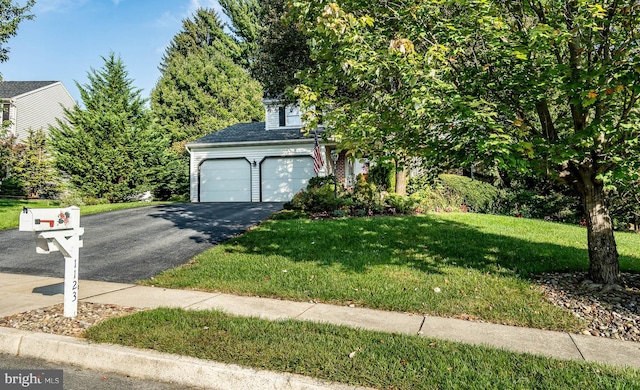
(129, 245)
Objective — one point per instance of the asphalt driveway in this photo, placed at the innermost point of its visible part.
(129, 245)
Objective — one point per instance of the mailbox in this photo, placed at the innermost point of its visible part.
(38, 220)
(58, 230)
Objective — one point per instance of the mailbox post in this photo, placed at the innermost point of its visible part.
(58, 230)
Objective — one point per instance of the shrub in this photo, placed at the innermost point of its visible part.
(401, 204)
(92, 201)
(552, 205)
(478, 196)
(318, 197)
(12, 186)
(450, 192)
(382, 176)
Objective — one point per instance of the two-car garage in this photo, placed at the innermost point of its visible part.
(247, 162)
(230, 179)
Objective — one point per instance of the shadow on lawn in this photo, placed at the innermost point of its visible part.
(425, 243)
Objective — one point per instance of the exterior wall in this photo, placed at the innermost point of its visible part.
(272, 116)
(272, 119)
(253, 154)
(39, 109)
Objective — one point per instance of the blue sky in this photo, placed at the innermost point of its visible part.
(68, 38)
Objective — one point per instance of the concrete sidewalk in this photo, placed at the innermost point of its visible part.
(22, 293)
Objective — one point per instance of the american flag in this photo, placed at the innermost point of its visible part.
(318, 163)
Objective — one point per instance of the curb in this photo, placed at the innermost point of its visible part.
(153, 365)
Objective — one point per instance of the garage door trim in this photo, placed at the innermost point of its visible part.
(221, 159)
(276, 157)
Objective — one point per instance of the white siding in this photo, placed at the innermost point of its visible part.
(39, 109)
(272, 118)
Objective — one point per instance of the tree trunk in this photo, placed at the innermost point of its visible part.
(401, 180)
(603, 254)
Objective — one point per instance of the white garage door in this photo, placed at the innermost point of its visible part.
(283, 177)
(227, 180)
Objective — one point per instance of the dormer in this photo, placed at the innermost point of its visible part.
(279, 115)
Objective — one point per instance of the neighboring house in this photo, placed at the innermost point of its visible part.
(33, 105)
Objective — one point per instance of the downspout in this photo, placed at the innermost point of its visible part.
(186, 146)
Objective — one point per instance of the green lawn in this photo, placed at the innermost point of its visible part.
(357, 357)
(10, 209)
(441, 264)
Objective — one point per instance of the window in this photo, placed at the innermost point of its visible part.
(289, 116)
(5, 112)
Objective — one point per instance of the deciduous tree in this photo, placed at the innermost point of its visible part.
(11, 15)
(547, 87)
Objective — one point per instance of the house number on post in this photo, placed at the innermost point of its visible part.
(58, 230)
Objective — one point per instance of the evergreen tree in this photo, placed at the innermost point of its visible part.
(281, 51)
(106, 149)
(203, 88)
(245, 26)
(34, 169)
(203, 31)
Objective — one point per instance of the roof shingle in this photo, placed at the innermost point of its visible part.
(251, 132)
(9, 89)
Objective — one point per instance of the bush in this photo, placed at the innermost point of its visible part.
(318, 197)
(553, 205)
(12, 187)
(478, 196)
(401, 204)
(382, 176)
(92, 201)
(450, 192)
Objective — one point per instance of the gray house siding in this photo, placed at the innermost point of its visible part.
(37, 108)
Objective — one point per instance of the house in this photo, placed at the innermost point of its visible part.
(254, 162)
(33, 105)
(261, 161)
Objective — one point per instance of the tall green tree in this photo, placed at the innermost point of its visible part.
(281, 51)
(546, 87)
(245, 26)
(35, 169)
(106, 149)
(202, 31)
(204, 87)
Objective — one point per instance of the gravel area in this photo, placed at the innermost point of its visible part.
(52, 320)
(609, 312)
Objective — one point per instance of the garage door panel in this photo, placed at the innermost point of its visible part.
(226, 180)
(282, 178)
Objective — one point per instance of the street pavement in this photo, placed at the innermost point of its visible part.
(23, 292)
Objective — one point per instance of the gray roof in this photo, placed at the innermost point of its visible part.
(252, 132)
(9, 89)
